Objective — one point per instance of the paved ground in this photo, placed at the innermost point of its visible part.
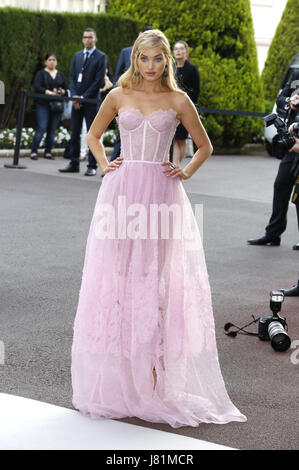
(45, 219)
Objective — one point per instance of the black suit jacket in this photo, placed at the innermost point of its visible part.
(93, 75)
(291, 87)
(123, 63)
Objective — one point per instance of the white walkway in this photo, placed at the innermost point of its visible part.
(27, 424)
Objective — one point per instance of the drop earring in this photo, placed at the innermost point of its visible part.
(136, 73)
(165, 73)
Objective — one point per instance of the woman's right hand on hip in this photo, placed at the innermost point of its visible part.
(113, 165)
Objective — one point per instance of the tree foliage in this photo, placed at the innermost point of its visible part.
(284, 46)
(221, 39)
(26, 36)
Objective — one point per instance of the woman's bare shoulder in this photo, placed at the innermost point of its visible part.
(117, 96)
(180, 100)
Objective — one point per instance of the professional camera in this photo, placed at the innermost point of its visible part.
(271, 328)
(283, 140)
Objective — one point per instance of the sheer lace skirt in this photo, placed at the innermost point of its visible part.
(144, 304)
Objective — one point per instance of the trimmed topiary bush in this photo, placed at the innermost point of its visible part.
(26, 36)
(221, 40)
(284, 46)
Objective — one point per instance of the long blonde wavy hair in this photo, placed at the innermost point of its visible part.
(145, 40)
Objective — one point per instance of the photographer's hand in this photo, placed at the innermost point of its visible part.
(295, 147)
(292, 98)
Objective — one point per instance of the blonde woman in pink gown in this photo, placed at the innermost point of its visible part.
(144, 335)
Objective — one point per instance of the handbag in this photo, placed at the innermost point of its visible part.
(56, 106)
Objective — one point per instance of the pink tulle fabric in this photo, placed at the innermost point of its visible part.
(145, 302)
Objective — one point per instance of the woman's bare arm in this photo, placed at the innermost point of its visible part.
(105, 115)
(190, 120)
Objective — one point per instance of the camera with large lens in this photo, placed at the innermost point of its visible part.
(272, 327)
(283, 140)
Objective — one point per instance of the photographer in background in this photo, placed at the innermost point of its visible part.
(286, 175)
(294, 134)
(294, 291)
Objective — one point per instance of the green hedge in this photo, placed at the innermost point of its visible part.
(284, 46)
(221, 38)
(26, 36)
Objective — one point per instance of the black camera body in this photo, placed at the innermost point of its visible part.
(272, 327)
(264, 323)
(283, 140)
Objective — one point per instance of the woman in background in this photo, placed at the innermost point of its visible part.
(189, 80)
(48, 81)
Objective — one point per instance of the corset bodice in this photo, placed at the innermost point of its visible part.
(146, 137)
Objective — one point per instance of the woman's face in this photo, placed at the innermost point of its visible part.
(151, 63)
(51, 62)
(179, 51)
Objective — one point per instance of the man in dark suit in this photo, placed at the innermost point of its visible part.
(87, 76)
(286, 175)
(293, 291)
(123, 64)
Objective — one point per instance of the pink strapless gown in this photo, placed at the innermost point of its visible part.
(145, 303)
